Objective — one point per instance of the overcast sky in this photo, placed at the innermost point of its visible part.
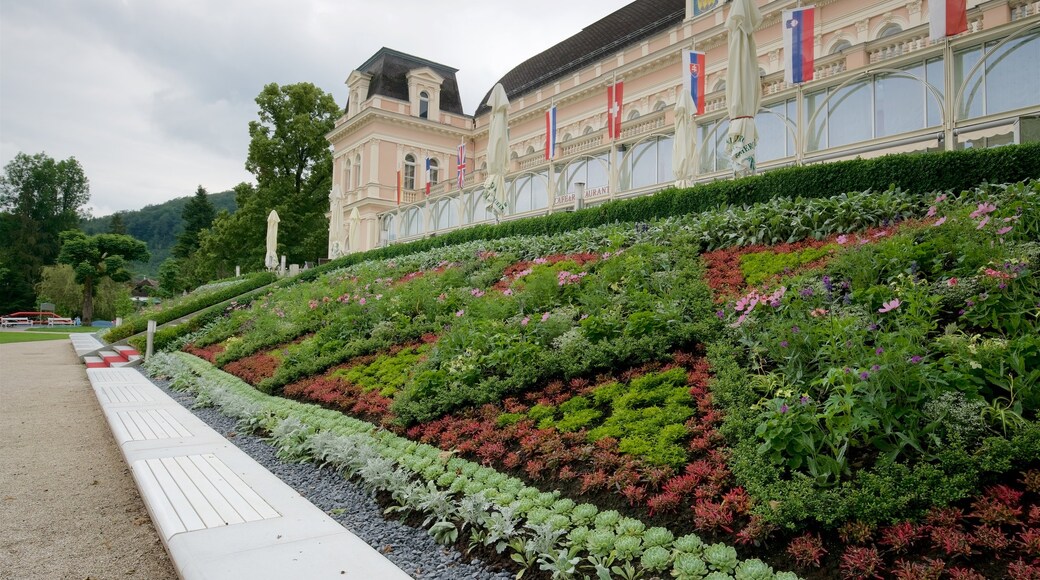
(154, 97)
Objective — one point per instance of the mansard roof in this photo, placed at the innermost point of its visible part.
(389, 69)
(628, 25)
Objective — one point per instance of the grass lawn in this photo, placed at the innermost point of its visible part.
(26, 336)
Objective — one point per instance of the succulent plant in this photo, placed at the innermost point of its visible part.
(630, 527)
(628, 547)
(754, 569)
(689, 567)
(721, 557)
(655, 558)
(607, 519)
(690, 544)
(600, 542)
(658, 537)
(583, 514)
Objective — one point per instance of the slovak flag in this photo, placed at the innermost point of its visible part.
(615, 100)
(947, 18)
(427, 176)
(550, 133)
(798, 44)
(460, 165)
(693, 78)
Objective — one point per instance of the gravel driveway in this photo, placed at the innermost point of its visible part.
(68, 504)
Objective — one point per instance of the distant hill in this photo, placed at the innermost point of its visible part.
(157, 225)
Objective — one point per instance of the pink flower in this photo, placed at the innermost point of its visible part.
(941, 198)
(983, 223)
(362, 301)
(545, 317)
(525, 321)
(931, 211)
(818, 312)
(313, 304)
(476, 292)
(442, 297)
(1004, 230)
(951, 282)
(843, 239)
(508, 292)
(939, 222)
(459, 313)
(540, 261)
(983, 209)
(889, 306)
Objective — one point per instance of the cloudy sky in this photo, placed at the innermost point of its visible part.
(154, 97)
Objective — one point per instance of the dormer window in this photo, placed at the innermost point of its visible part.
(424, 105)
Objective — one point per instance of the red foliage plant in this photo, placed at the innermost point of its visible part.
(1019, 570)
(928, 570)
(806, 550)
(255, 368)
(991, 537)
(855, 532)
(964, 574)
(861, 563)
(715, 516)
(952, 541)
(994, 511)
(207, 353)
(1030, 541)
(1031, 480)
(901, 537)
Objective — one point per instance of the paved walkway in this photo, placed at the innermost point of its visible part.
(69, 507)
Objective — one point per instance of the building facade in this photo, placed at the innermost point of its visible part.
(881, 86)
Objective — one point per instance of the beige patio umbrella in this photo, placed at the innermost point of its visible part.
(337, 236)
(271, 258)
(354, 241)
(497, 152)
(683, 145)
(743, 87)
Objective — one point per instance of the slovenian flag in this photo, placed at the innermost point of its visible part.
(460, 165)
(550, 133)
(615, 99)
(427, 176)
(947, 18)
(693, 78)
(798, 44)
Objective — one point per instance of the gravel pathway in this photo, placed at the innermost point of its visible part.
(411, 549)
(69, 507)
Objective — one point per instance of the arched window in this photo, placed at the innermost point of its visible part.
(346, 174)
(659, 106)
(840, 46)
(390, 226)
(424, 105)
(890, 29)
(720, 86)
(357, 171)
(632, 116)
(409, 172)
(530, 150)
(434, 171)
(566, 137)
(588, 130)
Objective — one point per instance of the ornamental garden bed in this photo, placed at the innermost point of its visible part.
(843, 387)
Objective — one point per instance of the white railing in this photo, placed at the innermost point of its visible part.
(1020, 9)
(581, 144)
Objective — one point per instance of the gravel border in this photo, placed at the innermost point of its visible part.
(411, 549)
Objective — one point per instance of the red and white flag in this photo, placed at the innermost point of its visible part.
(460, 165)
(615, 99)
(947, 18)
(550, 133)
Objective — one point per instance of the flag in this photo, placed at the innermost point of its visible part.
(614, 101)
(460, 165)
(798, 44)
(398, 187)
(427, 176)
(947, 18)
(550, 133)
(693, 79)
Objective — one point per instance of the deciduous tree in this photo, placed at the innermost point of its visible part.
(97, 257)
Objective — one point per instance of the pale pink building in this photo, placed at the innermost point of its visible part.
(881, 86)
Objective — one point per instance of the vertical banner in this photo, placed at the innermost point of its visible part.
(798, 44)
(550, 133)
(398, 187)
(460, 165)
(947, 18)
(427, 176)
(615, 100)
(693, 79)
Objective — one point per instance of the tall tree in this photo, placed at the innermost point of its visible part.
(197, 215)
(97, 257)
(117, 226)
(292, 162)
(39, 199)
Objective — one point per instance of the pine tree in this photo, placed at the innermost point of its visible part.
(117, 225)
(198, 215)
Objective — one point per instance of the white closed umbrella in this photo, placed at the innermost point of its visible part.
(336, 233)
(497, 152)
(682, 145)
(271, 258)
(743, 86)
(354, 241)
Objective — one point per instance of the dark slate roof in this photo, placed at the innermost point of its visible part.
(629, 24)
(389, 69)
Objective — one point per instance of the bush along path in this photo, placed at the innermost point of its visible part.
(840, 387)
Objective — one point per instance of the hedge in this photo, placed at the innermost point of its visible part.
(138, 323)
(921, 172)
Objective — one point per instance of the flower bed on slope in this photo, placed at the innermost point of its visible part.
(538, 529)
(511, 325)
